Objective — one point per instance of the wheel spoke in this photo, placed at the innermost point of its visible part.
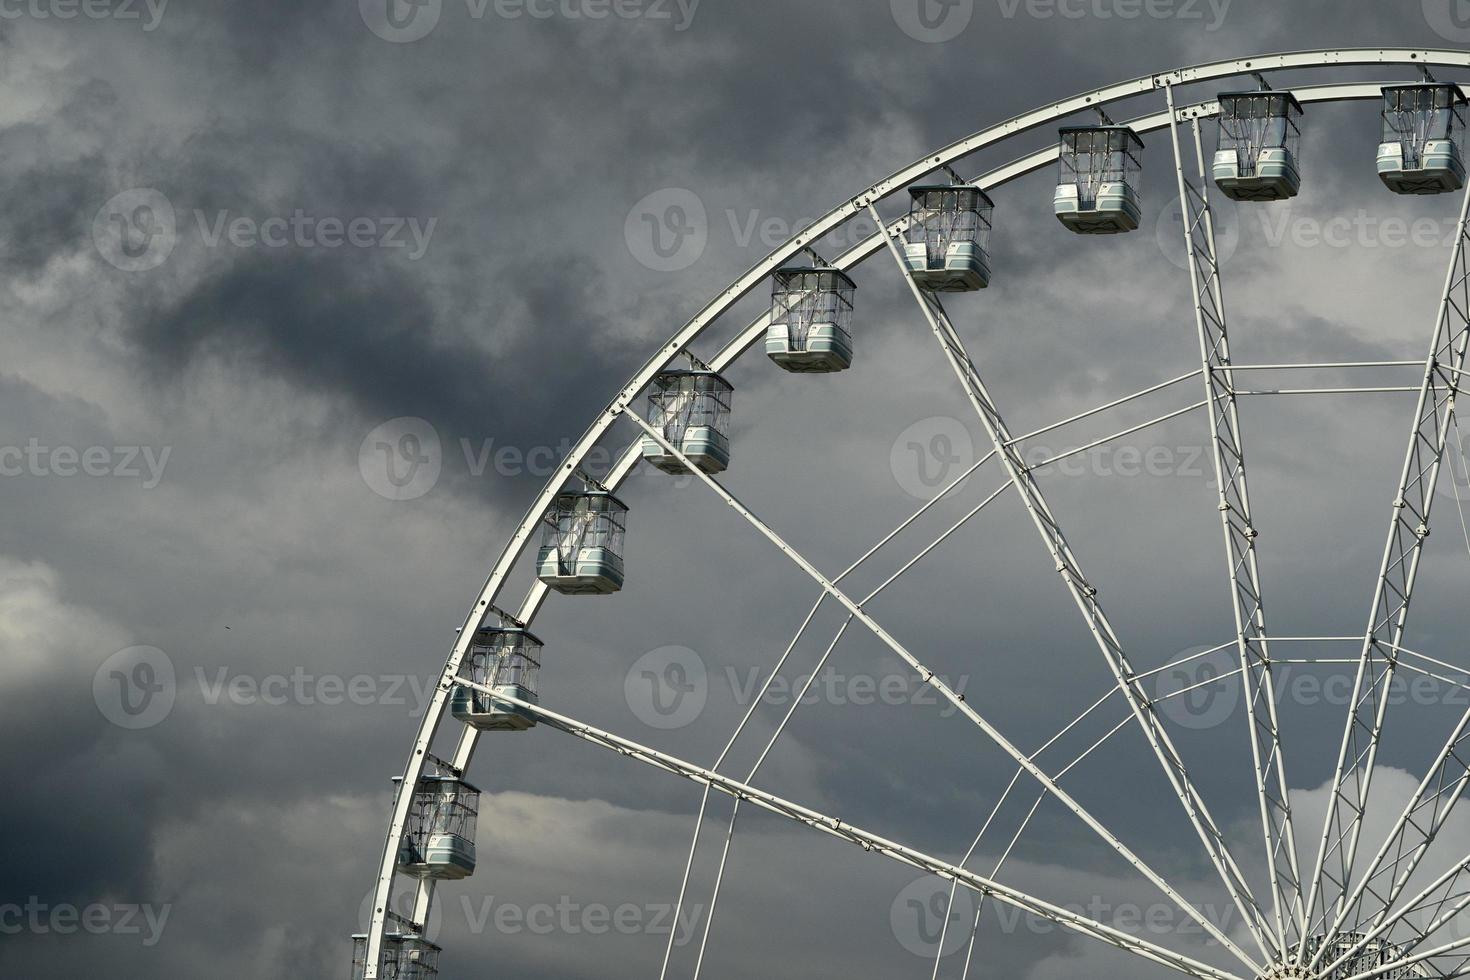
(869, 841)
(1389, 612)
(796, 702)
(948, 693)
(1085, 596)
(437, 712)
(1049, 460)
(1239, 530)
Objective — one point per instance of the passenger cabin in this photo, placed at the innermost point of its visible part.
(948, 235)
(1258, 155)
(582, 543)
(691, 409)
(1420, 152)
(439, 836)
(1097, 181)
(1371, 954)
(405, 957)
(810, 329)
(506, 659)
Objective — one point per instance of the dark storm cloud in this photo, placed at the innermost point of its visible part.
(47, 208)
(528, 141)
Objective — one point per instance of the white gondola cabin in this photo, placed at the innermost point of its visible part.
(691, 409)
(506, 659)
(1420, 151)
(1097, 180)
(1371, 954)
(1260, 146)
(810, 329)
(582, 543)
(405, 957)
(946, 243)
(439, 836)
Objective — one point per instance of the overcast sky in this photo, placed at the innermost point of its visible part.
(245, 243)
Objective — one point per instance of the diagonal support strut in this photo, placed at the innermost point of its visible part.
(1085, 596)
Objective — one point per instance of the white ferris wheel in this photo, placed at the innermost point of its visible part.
(1313, 898)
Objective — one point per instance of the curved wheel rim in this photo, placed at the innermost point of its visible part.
(736, 346)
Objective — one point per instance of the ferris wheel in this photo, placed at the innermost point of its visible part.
(1314, 898)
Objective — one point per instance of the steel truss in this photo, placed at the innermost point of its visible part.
(1240, 534)
(737, 345)
(1388, 618)
(1084, 594)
